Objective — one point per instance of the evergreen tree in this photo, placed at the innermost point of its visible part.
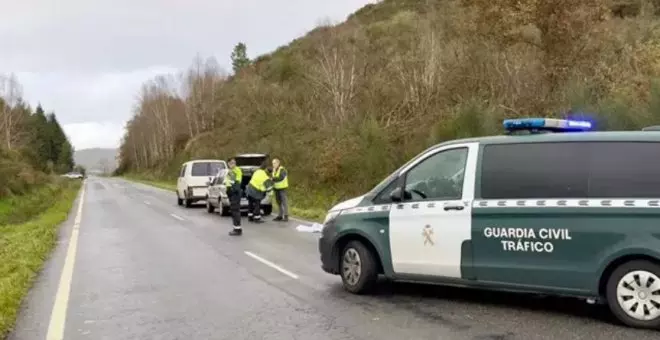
(239, 58)
(65, 158)
(60, 150)
(39, 141)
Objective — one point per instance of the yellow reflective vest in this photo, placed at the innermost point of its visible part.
(282, 184)
(259, 179)
(238, 173)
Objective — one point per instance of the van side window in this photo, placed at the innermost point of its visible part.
(438, 177)
(183, 171)
(534, 170)
(624, 170)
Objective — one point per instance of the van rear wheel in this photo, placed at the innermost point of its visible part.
(633, 294)
(209, 207)
(357, 268)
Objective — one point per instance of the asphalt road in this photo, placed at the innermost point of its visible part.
(148, 269)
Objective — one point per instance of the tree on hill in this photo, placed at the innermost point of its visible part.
(239, 58)
(61, 150)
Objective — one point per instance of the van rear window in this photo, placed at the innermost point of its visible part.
(206, 168)
(571, 170)
(627, 170)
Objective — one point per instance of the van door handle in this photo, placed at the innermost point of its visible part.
(454, 207)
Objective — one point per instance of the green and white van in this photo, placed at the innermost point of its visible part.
(562, 213)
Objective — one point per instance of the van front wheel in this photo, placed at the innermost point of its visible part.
(357, 268)
(633, 294)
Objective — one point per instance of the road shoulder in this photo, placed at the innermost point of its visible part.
(35, 309)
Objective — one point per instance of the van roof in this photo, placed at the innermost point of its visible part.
(600, 136)
(204, 161)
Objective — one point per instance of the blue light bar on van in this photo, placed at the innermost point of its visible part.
(551, 124)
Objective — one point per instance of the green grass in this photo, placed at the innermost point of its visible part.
(26, 245)
(18, 209)
(158, 183)
(309, 209)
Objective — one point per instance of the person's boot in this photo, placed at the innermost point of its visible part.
(236, 232)
(285, 218)
(258, 220)
(278, 218)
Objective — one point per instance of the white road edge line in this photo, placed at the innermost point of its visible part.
(58, 314)
(177, 217)
(272, 265)
(147, 203)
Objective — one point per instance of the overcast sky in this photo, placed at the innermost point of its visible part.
(86, 59)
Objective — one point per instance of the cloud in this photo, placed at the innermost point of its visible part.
(86, 60)
(94, 134)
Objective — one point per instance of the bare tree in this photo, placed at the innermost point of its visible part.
(10, 119)
(335, 73)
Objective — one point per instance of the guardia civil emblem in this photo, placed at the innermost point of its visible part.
(427, 233)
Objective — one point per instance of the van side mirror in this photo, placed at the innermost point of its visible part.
(396, 195)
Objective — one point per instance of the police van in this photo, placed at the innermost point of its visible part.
(549, 208)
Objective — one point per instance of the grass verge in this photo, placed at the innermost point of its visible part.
(25, 246)
(19, 209)
(310, 212)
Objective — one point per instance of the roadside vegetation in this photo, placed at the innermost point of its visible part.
(348, 103)
(26, 240)
(34, 200)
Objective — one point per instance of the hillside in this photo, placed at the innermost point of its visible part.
(97, 159)
(348, 103)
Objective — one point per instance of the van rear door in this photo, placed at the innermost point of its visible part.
(202, 171)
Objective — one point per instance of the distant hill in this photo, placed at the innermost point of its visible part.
(97, 159)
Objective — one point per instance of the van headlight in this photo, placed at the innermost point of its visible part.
(331, 215)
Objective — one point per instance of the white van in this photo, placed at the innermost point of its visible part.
(192, 185)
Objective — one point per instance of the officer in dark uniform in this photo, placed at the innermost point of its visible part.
(232, 182)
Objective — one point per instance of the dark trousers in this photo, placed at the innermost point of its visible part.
(254, 207)
(235, 208)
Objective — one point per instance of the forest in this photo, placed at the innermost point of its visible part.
(33, 145)
(349, 102)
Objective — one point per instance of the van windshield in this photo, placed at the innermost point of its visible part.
(206, 168)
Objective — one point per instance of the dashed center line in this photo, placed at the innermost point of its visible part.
(147, 202)
(272, 265)
(177, 217)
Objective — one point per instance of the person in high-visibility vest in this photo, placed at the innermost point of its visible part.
(280, 186)
(259, 186)
(232, 182)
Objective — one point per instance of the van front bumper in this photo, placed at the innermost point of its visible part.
(327, 251)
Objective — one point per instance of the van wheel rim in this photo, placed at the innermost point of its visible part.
(352, 266)
(638, 294)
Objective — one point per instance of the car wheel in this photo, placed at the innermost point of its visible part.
(633, 294)
(179, 201)
(209, 207)
(268, 210)
(357, 268)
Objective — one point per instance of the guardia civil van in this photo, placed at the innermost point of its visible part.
(550, 207)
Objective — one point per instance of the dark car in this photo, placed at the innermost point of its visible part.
(218, 199)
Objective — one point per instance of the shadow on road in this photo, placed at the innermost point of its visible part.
(432, 301)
